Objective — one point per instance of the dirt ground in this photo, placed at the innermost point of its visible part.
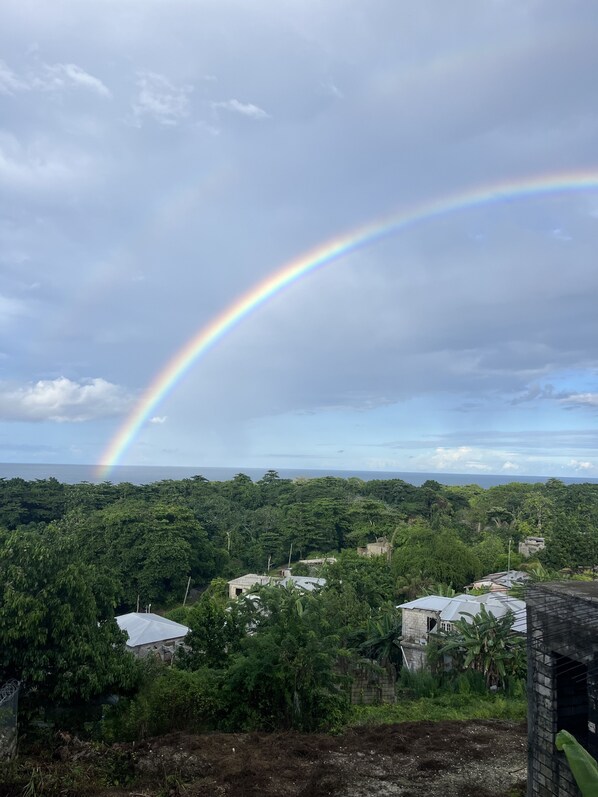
(483, 758)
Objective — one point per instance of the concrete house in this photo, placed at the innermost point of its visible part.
(433, 613)
(381, 547)
(243, 584)
(562, 652)
(531, 546)
(150, 633)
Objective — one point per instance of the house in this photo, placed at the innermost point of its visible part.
(381, 547)
(531, 545)
(501, 582)
(243, 584)
(150, 633)
(433, 613)
(562, 678)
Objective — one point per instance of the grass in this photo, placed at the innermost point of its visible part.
(446, 706)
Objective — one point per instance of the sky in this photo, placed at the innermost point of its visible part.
(160, 158)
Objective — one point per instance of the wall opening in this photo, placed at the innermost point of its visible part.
(572, 704)
(431, 623)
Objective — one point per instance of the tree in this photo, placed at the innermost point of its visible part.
(286, 670)
(383, 633)
(438, 556)
(487, 644)
(59, 636)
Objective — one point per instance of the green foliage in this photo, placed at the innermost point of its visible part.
(383, 632)
(583, 766)
(216, 631)
(57, 623)
(485, 644)
(169, 700)
(443, 706)
(286, 670)
(370, 577)
(438, 556)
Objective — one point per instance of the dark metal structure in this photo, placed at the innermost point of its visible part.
(562, 622)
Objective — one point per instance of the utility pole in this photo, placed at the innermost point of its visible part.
(290, 554)
(187, 590)
(509, 557)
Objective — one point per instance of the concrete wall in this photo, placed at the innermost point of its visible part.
(414, 637)
(372, 685)
(562, 680)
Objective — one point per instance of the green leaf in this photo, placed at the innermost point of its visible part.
(583, 766)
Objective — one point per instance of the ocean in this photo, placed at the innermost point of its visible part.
(146, 474)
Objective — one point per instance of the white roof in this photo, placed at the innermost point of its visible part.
(249, 580)
(304, 582)
(145, 628)
(461, 606)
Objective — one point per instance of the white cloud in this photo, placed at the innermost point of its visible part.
(159, 99)
(463, 456)
(577, 464)
(63, 400)
(581, 400)
(244, 108)
(53, 77)
(159, 419)
(509, 466)
(62, 75)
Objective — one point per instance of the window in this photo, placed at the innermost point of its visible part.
(431, 622)
(446, 626)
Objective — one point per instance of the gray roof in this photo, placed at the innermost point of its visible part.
(145, 628)
(461, 606)
(304, 582)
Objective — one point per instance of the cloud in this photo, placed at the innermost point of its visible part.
(160, 100)
(580, 400)
(580, 465)
(463, 456)
(509, 466)
(63, 400)
(63, 75)
(39, 167)
(51, 77)
(243, 108)
(159, 419)
(10, 83)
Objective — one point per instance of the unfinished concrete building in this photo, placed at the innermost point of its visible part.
(562, 619)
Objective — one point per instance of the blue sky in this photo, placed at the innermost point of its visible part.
(157, 159)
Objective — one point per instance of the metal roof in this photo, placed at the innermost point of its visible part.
(461, 606)
(145, 628)
(304, 582)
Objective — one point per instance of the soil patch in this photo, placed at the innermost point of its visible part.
(431, 759)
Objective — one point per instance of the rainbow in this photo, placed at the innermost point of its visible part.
(324, 254)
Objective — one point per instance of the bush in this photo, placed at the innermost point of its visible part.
(169, 700)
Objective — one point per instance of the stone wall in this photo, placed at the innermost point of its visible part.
(562, 685)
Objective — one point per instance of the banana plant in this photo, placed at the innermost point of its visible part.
(583, 766)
